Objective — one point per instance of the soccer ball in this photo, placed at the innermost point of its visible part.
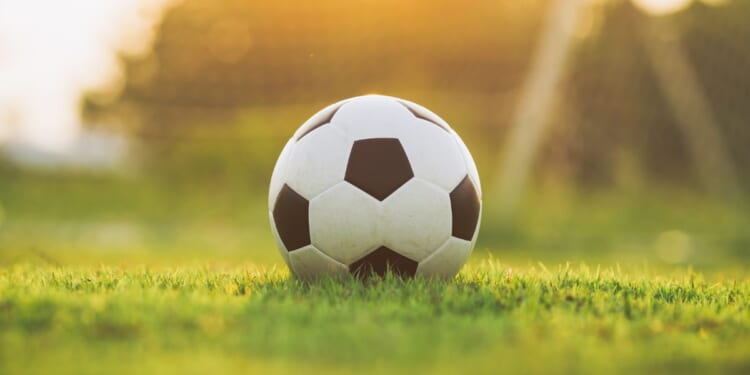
(371, 185)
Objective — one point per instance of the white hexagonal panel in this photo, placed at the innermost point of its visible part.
(422, 112)
(373, 116)
(416, 219)
(318, 161)
(446, 261)
(434, 154)
(278, 179)
(470, 164)
(279, 244)
(320, 119)
(308, 263)
(344, 223)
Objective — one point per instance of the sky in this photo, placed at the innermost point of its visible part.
(52, 52)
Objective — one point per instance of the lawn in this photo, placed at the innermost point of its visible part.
(102, 274)
(492, 318)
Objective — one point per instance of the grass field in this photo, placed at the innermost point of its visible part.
(123, 275)
(491, 319)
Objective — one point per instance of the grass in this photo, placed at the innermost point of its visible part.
(134, 274)
(491, 319)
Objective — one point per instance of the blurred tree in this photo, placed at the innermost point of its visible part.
(620, 102)
(690, 107)
(676, 81)
(270, 64)
(221, 55)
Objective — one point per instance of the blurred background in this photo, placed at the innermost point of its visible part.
(612, 131)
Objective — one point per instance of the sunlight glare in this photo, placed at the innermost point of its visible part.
(53, 52)
(667, 7)
(661, 7)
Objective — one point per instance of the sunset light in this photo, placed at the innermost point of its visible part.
(53, 52)
(374, 187)
(665, 7)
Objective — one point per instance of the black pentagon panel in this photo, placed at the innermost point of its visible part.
(381, 261)
(291, 216)
(324, 121)
(421, 116)
(465, 206)
(378, 166)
